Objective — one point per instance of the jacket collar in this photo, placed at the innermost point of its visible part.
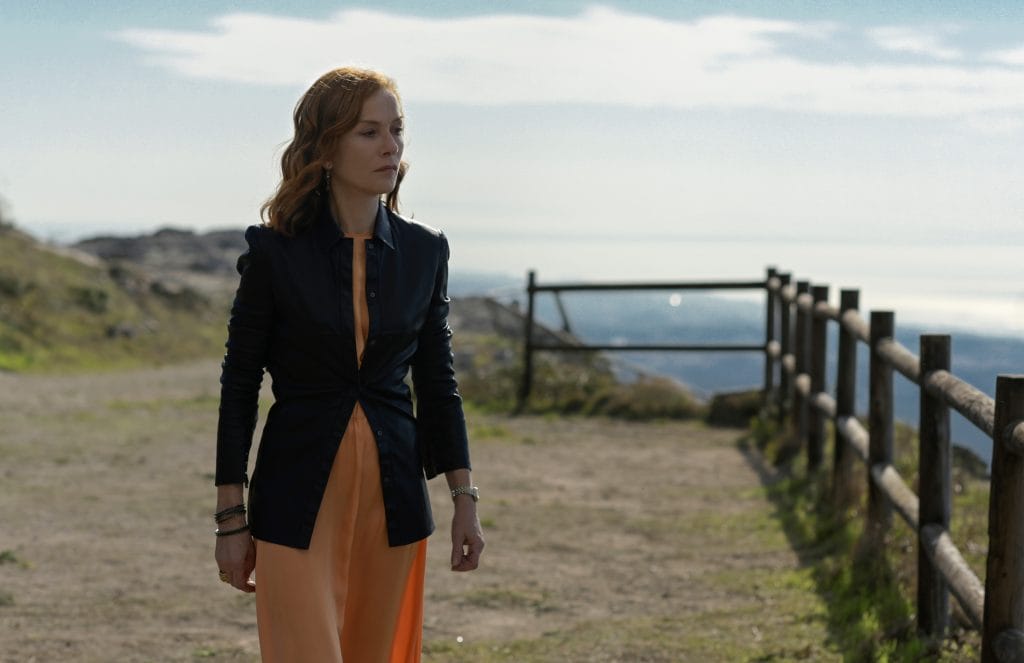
(326, 232)
(382, 227)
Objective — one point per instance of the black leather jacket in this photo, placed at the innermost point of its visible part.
(292, 314)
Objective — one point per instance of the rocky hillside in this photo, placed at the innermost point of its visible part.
(202, 261)
(62, 309)
(171, 250)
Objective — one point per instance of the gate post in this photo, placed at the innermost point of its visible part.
(527, 383)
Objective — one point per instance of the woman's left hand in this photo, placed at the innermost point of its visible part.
(467, 537)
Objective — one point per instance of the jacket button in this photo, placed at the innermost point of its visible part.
(373, 293)
(380, 433)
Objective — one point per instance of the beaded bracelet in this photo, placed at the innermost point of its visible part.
(221, 516)
(229, 532)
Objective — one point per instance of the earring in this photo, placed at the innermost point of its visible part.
(326, 181)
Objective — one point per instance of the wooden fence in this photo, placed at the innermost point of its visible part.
(795, 346)
(801, 313)
(531, 345)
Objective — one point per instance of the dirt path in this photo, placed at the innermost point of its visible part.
(606, 540)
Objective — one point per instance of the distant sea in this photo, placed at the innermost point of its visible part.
(972, 291)
(959, 284)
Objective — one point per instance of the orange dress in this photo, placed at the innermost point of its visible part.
(348, 597)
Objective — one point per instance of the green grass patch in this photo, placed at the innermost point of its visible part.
(488, 431)
(10, 557)
(698, 636)
(61, 315)
(221, 653)
(869, 583)
(499, 598)
(199, 401)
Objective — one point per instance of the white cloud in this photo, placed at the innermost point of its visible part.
(1013, 56)
(911, 40)
(601, 56)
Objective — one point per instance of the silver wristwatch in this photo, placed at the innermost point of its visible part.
(472, 491)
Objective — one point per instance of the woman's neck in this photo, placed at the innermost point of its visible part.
(354, 213)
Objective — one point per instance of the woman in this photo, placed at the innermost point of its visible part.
(339, 296)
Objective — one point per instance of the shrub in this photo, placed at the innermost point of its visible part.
(93, 300)
(735, 408)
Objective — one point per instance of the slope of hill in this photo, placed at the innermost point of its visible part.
(62, 310)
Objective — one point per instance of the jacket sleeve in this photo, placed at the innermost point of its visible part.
(249, 329)
(440, 421)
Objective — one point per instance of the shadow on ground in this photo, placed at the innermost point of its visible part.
(866, 611)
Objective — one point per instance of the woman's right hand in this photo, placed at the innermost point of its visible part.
(235, 553)
(236, 556)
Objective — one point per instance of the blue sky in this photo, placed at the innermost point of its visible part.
(685, 128)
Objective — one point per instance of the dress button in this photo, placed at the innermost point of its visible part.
(380, 433)
(373, 293)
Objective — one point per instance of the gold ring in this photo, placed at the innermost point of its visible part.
(224, 577)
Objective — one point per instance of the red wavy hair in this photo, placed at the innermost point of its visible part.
(326, 112)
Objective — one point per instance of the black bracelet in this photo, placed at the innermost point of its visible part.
(221, 516)
(229, 532)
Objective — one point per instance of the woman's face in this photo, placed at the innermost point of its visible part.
(366, 159)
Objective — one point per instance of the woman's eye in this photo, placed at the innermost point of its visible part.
(370, 133)
(398, 131)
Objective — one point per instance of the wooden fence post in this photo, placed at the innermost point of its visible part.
(1004, 576)
(527, 384)
(843, 489)
(934, 487)
(801, 335)
(769, 336)
(816, 368)
(880, 424)
(786, 343)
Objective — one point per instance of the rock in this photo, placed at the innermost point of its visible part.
(121, 330)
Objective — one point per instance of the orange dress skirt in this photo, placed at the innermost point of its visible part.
(348, 597)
